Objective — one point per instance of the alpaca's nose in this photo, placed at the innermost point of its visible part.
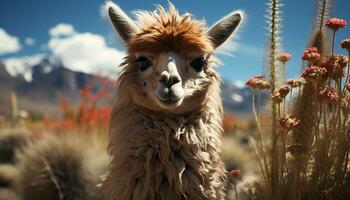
(169, 80)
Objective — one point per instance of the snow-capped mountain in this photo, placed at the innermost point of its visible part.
(39, 86)
(49, 81)
(237, 98)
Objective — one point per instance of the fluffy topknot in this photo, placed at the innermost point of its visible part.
(163, 30)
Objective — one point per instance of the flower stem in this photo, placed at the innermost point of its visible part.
(257, 120)
(290, 99)
(284, 72)
(347, 74)
(333, 43)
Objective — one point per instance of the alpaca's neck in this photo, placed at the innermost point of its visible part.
(162, 154)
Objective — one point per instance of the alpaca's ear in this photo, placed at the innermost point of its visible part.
(224, 28)
(121, 22)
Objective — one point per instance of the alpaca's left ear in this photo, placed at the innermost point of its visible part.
(224, 28)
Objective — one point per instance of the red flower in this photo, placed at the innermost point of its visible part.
(104, 114)
(335, 66)
(284, 57)
(335, 23)
(328, 94)
(345, 44)
(280, 93)
(342, 60)
(289, 122)
(311, 54)
(228, 122)
(294, 83)
(314, 73)
(67, 124)
(258, 82)
(235, 172)
(86, 92)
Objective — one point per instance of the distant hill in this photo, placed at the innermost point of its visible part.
(237, 98)
(50, 80)
(42, 94)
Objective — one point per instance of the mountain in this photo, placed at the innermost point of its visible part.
(48, 84)
(237, 98)
(51, 80)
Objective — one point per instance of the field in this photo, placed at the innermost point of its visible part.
(292, 144)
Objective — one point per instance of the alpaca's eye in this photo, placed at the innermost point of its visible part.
(198, 63)
(143, 63)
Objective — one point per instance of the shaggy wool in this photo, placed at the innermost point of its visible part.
(158, 154)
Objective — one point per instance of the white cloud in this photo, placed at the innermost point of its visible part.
(29, 41)
(9, 43)
(23, 65)
(237, 98)
(62, 29)
(239, 84)
(86, 52)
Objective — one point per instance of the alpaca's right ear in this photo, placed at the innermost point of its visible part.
(121, 22)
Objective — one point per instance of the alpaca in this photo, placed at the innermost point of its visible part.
(165, 131)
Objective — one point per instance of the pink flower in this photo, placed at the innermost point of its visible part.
(284, 57)
(328, 94)
(336, 23)
(314, 73)
(347, 86)
(289, 122)
(335, 66)
(280, 93)
(258, 82)
(294, 83)
(235, 172)
(311, 54)
(345, 44)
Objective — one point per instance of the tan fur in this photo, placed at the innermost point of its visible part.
(159, 154)
(168, 31)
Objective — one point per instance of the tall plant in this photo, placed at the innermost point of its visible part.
(310, 137)
(274, 30)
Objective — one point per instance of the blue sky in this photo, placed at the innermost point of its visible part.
(33, 19)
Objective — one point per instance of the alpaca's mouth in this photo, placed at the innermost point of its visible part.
(170, 101)
(169, 97)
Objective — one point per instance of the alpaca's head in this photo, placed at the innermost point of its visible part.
(169, 63)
